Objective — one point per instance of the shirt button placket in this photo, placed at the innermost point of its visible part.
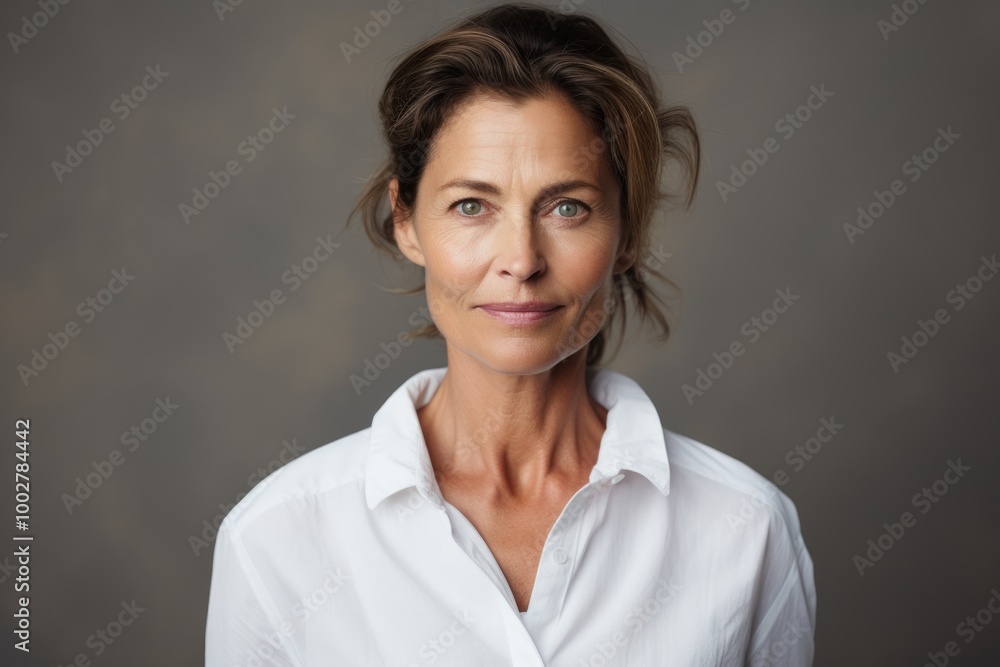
(556, 574)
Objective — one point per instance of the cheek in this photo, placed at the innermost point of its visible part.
(452, 271)
(586, 268)
(451, 251)
(455, 268)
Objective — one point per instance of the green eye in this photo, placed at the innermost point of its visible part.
(470, 207)
(568, 209)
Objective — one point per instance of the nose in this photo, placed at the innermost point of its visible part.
(520, 252)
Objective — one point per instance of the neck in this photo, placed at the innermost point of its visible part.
(513, 435)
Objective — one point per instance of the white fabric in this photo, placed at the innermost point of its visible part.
(349, 556)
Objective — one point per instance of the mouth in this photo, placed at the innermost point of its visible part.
(519, 314)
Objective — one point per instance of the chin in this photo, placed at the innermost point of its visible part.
(522, 356)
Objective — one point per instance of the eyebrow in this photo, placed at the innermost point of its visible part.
(492, 189)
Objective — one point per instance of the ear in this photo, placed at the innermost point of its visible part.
(626, 258)
(403, 229)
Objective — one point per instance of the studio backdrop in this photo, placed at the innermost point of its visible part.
(184, 310)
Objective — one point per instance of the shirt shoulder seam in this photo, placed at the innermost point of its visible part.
(260, 590)
(768, 620)
(239, 522)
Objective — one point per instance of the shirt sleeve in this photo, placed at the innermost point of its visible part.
(784, 619)
(241, 628)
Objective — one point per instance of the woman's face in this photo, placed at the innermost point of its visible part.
(517, 204)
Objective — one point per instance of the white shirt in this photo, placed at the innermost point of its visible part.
(672, 554)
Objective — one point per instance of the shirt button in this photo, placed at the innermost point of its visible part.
(559, 556)
(617, 478)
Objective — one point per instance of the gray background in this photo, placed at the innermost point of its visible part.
(162, 335)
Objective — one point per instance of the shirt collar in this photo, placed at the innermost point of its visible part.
(398, 458)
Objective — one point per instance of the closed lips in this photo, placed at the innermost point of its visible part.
(520, 307)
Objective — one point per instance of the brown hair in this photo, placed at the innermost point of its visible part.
(522, 51)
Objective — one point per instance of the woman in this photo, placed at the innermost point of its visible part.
(521, 506)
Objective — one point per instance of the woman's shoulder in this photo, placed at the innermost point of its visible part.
(698, 468)
(745, 518)
(320, 471)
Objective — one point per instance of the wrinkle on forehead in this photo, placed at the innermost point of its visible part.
(515, 143)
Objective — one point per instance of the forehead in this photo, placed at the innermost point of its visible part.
(492, 133)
